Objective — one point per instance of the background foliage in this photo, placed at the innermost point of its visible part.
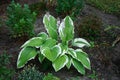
(20, 20)
(6, 73)
(69, 7)
(109, 6)
(30, 73)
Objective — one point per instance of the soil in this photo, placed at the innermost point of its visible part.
(104, 58)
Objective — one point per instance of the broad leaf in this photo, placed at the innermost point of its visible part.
(41, 57)
(78, 66)
(64, 48)
(68, 65)
(80, 42)
(80, 50)
(51, 26)
(51, 53)
(60, 62)
(49, 43)
(25, 55)
(72, 52)
(43, 35)
(66, 29)
(34, 42)
(83, 58)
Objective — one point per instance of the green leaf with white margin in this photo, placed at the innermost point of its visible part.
(51, 53)
(78, 66)
(83, 58)
(49, 43)
(80, 42)
(66, 29)
(64, 48)
(72, 53)
(41, 57)
(43, 35)
(50, 24)
(26, 54)
(34, 42)
(68, 65)
(60, 62)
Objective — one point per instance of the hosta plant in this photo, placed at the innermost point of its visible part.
(56, 46)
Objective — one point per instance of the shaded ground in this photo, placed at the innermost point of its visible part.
(104, 58)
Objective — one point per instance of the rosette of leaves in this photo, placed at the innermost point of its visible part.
(56, 47)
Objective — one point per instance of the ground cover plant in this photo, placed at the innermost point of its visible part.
(109, 6)
(20, 20)
(59, 52)
(30, 73)
(5, 72)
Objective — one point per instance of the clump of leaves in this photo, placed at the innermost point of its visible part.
(50, 76)
(5, 72)
(90, 27)
(69, 7)
(57, 50)
(30, 73)
(20, 20)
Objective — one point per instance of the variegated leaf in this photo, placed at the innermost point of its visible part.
(25, 55)
(60, 62)
(80, 42)
(50, 24)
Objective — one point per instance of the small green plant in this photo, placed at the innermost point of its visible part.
(4, 59)
(90, 27)
(5, 72)
(69, 7)
(93, 76)
(30, 73)
(50, 76)
(60, 52)
(20, 20)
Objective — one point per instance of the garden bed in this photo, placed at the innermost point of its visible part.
(104, 58)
